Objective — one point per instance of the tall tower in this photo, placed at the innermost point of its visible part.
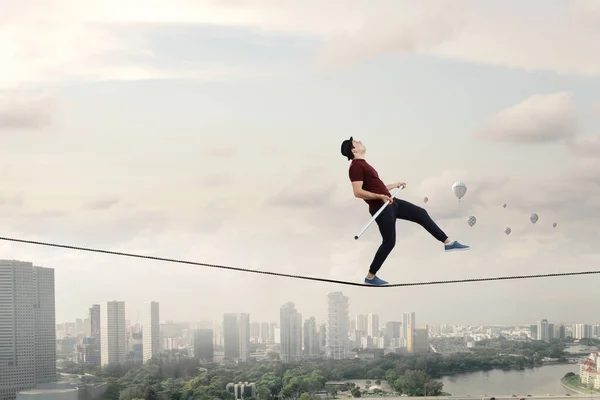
(290, 333)
(27, 327)
(45, 325)
(95, 323)
(338, 342)
(151, 336)
(231, 343)
(112, 332)
(408, 321)
(311, 338)
(244, 336)
(373, 325)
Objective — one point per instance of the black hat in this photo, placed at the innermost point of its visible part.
(347, 148)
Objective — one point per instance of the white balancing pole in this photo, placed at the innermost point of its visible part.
(374, 217)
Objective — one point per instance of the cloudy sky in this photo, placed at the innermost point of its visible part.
(210, 131)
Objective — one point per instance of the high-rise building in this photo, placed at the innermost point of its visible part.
(236, 336)
(338, 342)
(27, 327)
(231, 342)
(290, 325)
(151, 336)
(393, 332)
(421, 340)
(265, 333)
(311, 338)
(373, 325)
(408, 319)
(95, 322)
(244, 337)
(113, 342)
(255, 332)
(361, 323)
(322, 337)
(204, 345)
(545, 331)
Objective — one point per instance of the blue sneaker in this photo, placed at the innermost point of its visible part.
(375, 281)
(455, 246)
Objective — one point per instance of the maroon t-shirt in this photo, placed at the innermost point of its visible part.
(360, 170)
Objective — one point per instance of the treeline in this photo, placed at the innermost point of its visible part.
(186, 379)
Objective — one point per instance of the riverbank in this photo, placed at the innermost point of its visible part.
(520, 382)
(476, 369)
(577, 389)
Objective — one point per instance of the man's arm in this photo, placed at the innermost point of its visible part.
(395, 185)
(364, 194)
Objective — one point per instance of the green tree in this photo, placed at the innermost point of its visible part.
(418, 383)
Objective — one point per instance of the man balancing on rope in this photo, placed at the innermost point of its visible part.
(367, 186)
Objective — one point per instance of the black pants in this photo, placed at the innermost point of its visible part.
(386, 221)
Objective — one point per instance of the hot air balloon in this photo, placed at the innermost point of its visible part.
(471, 220)
(507, 231)
(554, 225)
(459, 189)
(425, 199)
(533, 217)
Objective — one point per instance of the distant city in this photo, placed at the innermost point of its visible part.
(33, 346)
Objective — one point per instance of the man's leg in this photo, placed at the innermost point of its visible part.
(386, 221)
(411, 212)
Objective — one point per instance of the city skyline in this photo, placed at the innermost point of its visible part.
(211, 132)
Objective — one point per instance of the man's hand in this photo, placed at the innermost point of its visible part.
(396, 185)
(385, 198)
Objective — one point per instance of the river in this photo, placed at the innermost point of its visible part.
(541, 380)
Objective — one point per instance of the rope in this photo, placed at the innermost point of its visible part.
(499, 278)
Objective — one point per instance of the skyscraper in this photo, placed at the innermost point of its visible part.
(27, 327)
(290, 325)
(311, 337)
(113, 343)
(236, 336)
(373, 325)
(203, 345)
(151, 336)
(338, 342)
(244, 336)
(231, 343)
(95, 322)
(408, 320)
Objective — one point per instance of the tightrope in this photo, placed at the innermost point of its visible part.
(173, 260)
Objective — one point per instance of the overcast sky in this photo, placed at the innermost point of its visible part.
(211, 130)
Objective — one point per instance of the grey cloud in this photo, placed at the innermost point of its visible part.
(584, 146)
(25, 112)
(310, 188)
(221, 151)
(217, 179)
(397, 30)
(540, 118)
(102, 204)
(11, 200)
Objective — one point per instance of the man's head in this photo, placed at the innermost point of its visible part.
(353, 149)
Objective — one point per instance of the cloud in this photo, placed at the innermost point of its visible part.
(64, 40)
(403, 30)
(584, 146)
(540, 118)
(102, 204)
(12, 200)
(24, 111)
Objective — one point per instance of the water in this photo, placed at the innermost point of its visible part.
(541, 381)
